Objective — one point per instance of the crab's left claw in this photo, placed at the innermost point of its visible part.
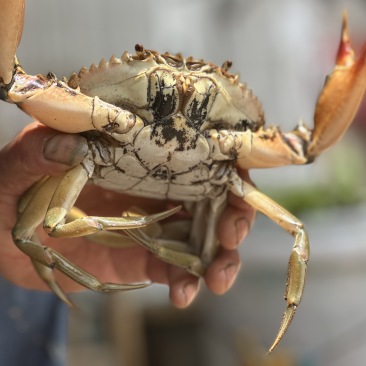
(11, 29)
(340, 97)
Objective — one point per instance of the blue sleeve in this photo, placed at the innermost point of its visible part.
(33, 327)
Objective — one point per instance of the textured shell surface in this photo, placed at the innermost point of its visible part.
(178, 103)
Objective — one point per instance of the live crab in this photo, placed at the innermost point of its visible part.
(162, 126)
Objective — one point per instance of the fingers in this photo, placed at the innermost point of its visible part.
(233, 226)
(236, 220)
(222, 272)
(183, 286)
(37, 151)
(157, 270)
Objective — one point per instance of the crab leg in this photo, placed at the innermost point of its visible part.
(107, 238)
(299, 255)
(175, 252)
(190, 262)
(64, 198)
(211, 243)
(115, 240)
(23, 231)
(197, 234)
(62, 192)
(47, 275)
(44, 272)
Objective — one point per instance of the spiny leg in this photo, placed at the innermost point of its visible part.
(299, 256)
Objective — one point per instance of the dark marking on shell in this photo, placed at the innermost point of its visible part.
(164, 101)
(197, 112)
(243, 125)
(161, 173)
(169, 132)
(270, 137)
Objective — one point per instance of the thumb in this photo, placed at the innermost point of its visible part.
(37, 151)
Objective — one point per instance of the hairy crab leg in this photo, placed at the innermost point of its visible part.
(47, 275)
(190, 262)
(171, 235)
(23, 232)
(106, 238)
(154, 230)
(211, 243)
(44, 272)
(176, 253)
(54, 197)
(197, 235)
(64, 198)
(299, 256)
(28, 195)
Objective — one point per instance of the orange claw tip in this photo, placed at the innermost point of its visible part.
(345, 56)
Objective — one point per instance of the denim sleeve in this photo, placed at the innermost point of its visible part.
(33, 327)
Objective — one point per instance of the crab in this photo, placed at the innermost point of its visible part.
(164, 126)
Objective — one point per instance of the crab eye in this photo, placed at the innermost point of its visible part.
(198, 101)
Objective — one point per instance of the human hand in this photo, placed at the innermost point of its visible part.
(38, 151)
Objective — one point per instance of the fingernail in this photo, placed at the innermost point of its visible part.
(68, 149)
(230, 270)
(242, 229)
(189, 290)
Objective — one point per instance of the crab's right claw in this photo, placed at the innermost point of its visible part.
(340, 97)
(11, 29)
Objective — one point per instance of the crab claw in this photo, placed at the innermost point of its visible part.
(340, 97)
(11, 29)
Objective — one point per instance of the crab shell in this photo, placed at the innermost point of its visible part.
(172, 149)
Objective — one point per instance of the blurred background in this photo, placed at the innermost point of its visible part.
(283, 49)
